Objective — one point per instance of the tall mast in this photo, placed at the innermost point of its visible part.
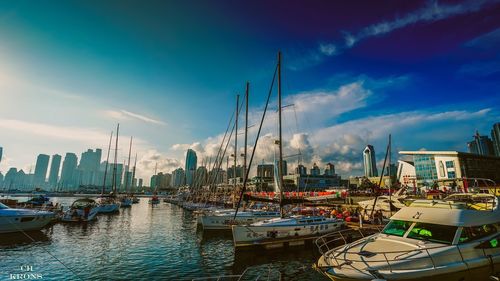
(280, 163)
(106, 167)
(389, 169)
(116, 158)
(235, 144)
(246, 132)
(156, 177)
(128, 165)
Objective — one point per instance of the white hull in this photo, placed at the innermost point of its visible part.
(251, 235)
(69, 216)
(225, 220)
(15, 220)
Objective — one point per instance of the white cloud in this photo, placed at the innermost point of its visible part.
(327, 49)
(124, 115)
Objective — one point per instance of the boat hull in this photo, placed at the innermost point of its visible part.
(249, 235)
(224, 222)
(68, 216)
(28, 222)
(108, 208)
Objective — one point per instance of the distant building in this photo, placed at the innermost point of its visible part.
(369, 162)
(315, 170)
(311, 182)
(178, 178)
(1, 153)
(217, 176)
(406, 173)
(190, 167)
(201, 176)
(329, 170)
(161, 181)
(10, 179)
(232, 174)
(42, 164)
(265, 172)
(391, 170)
(68, 172)
(55, 165)
(431, 166)
(1, 179)
(301, 170)
(88, 168)
(495, 137)
(285, 167)
(481, 145)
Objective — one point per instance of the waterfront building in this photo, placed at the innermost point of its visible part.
(406, 173)
(178, 178)
(447, 166)
(495, 137)
(139, 184)
(10, 179)
(315, 170)
(55, 165)
(231, 172)
(217, 176)
(161, 181)
(369, 162)
(42, 164)
(201, 176)
(88, 168)
(311, 182)
(391, 170)
(190, 166)
(265, 172)
(68, 172)
(285, 167)
(481, 145)
(1, 179)
(329, 170)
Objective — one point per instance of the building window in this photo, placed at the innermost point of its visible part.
(450, 164)
(451, 174)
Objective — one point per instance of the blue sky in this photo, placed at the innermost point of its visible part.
(168, 71)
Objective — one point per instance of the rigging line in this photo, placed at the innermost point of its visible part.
(256, 142)
(223, 139)
(50, 254)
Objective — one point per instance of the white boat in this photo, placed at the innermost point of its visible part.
(16, 220)
(388, 206)
(225, 219)
(82, 210)
(272, 230)
(107, 204)
(452, 239)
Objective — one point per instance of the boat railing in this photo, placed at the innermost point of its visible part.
(335, 239)
(342, 256)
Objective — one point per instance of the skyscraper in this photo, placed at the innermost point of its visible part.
(190, 166)
(481, 145)
(1, 152)
(42, 164)
(68, 172)
(330, 169)
(178, 176)
(495, 136)
(89, 167)
(369, 162)
(54, 170)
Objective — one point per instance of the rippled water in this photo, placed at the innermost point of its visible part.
(141, 243)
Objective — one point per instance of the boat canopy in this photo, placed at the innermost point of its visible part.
(82, 203)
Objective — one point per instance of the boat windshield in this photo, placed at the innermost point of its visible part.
(397, 227)
(433, 232)
(2, 206)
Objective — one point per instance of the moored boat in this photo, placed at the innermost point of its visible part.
(17, 220)
(82, 210)
(225, 219)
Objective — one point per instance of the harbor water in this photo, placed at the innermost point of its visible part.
(145, 242)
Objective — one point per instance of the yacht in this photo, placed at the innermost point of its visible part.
(107, 204)
(456, 238)
(295, 227)
(386, 205)
(224, 219)
(126, 202)
(15, 220)
(82, 210)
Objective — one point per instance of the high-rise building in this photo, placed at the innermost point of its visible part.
(178, 177)
(68, 172)
(369, 162)
(88, 168)
(201, 176)
(315, 170)
(285, 167)
(481, 145)
(42, 164)
(1, 153)
(495, 136)
(55, 164)
(330, 169)
(265, 171)
(190, 167)
(10, 179)
(301, 170)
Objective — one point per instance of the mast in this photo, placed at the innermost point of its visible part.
(156, 177)
(389, 169)
(107, 163)
(280, 163)
(128, 165)
(235, 144)
(116, 159)
(246, 132)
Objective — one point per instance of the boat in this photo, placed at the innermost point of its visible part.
(18, 220)
(456, 238)
(38, 200)
(297, 228)
(225, 219)
(154, 200)
(135, 199)
(82, 210)
(109, 203)
(387, 205)
(126, 201)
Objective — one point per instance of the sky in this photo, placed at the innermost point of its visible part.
(353, 72)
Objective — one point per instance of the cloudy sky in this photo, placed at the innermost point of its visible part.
(426, 71)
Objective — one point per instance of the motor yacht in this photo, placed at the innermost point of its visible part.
(82, 210)
(224, 219)
(16, 220)
(456, 238)
(107, 204)
(296, 227)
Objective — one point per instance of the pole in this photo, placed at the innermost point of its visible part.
(235, 146)
(106, 167)
(128, 165)
(280, 163)
(116, 159)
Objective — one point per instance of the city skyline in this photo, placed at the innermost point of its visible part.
(416, 70)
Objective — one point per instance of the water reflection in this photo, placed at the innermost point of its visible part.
(13, 240)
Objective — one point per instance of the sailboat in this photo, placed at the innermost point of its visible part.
(154, 199)
(107, 203)
(126, 201)
(293, 227)
(135, 199)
